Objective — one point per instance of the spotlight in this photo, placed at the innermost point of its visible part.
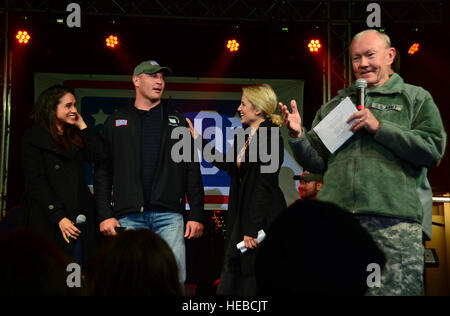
(414, 48)
(23, 37)
(112, 41)
(314, 46)
(233, 46)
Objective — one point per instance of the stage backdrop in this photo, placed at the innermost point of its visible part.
(214, 99)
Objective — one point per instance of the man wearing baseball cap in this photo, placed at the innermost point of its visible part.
(149, 188)
(310, 185)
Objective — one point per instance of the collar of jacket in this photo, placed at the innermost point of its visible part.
(394, 85)
(267, 123)
(42, 139)
(133, 108)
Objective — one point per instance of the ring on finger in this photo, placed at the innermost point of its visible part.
(361, 119)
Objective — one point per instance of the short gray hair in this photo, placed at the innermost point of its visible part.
(383, 36)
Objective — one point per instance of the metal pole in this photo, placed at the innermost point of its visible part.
(5, 118)
(324, 81)
(329, 51)
(349, 41)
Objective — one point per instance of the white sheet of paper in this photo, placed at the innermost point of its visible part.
(260, 238)
(333, 130)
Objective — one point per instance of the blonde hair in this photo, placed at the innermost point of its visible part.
(263, 98)
(386, 39)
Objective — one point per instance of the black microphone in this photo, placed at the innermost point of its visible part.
(120, 229)
(77, 250)
(361, 85)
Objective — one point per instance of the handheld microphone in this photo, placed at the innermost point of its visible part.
(120, 229)
(81, 219)
(77, 251)
(361, 85)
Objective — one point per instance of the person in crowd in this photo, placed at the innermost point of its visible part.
(317, 248)
(310, 185)
(136, 263)
(34, 266)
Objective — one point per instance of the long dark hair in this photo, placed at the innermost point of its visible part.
(44, 112)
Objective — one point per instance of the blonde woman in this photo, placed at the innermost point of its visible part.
(255, 197)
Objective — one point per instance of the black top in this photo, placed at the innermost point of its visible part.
(151, 133)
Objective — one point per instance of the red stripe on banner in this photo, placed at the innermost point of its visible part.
(172, 86)
(215, 199)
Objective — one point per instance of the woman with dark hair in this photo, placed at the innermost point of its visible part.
(56, 192)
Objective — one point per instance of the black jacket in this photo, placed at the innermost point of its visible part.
(122, 174)
(255, 200)
(56, 186)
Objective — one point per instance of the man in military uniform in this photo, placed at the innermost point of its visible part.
(375, 174)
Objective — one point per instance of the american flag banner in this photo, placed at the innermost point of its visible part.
(211, 101)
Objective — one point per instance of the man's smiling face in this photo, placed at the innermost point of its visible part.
(372, 59)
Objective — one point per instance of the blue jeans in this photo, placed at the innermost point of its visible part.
(169, 225)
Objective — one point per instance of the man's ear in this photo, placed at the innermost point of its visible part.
(391, 55)
(135, 81)
(318, 185)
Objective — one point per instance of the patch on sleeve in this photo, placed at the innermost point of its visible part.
(121, 123)
(174, 121)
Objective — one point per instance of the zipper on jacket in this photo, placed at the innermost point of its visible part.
(354, 185)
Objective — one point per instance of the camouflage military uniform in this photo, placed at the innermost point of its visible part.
(401, 241)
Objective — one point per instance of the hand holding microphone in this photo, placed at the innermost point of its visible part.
(364, 117)
(69, 229)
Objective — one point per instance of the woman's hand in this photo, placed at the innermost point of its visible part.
(68, 229)
(79, 122)
(250, 242)
(192, 129)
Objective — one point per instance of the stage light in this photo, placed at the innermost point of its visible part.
(414, 48)
(23, 37)
(112, 41)
(314, 46)
(233, 46)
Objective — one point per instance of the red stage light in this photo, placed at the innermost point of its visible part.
(23, 37)
(414, 48)
(314, 46)
(233, 46)
(112, 41)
